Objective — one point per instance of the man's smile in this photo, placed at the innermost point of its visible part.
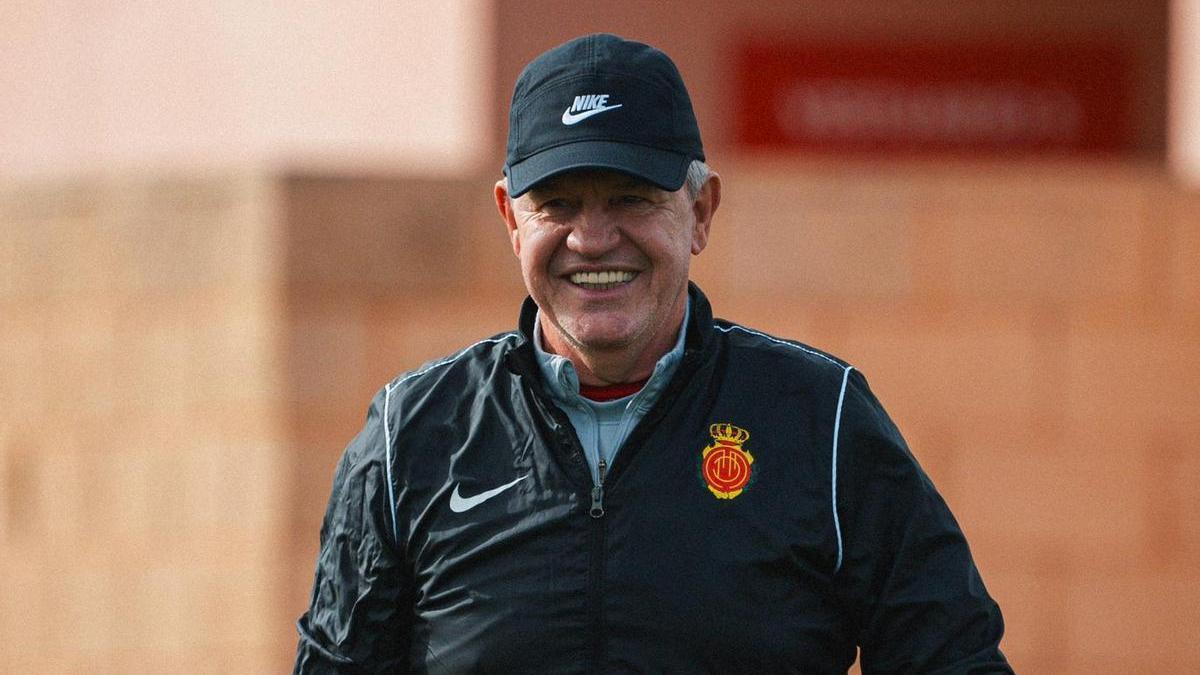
(603, 280)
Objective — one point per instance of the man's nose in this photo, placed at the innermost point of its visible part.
(594, 233)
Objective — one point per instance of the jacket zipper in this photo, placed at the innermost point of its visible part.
(597, 567)
(597, 510)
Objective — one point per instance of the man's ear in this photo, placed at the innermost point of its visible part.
(505, 206)
(703, 208)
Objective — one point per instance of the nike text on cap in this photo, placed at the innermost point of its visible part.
(604, 102)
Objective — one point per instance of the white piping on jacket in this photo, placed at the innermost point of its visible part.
(387, 435)
(837, 424)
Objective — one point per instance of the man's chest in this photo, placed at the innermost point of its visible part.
(716, 543)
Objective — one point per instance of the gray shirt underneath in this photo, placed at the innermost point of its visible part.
(602, 426)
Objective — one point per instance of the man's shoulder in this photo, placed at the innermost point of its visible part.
(485, 352)
(779, 349)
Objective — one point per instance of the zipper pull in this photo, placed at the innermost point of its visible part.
(597, 509)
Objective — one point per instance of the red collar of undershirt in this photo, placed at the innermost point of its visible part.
(611, 392)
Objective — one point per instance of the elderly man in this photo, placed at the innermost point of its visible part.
(626, 484)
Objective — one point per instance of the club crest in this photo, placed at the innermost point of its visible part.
(725, 465)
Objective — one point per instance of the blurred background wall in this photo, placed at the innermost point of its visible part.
(223, 227)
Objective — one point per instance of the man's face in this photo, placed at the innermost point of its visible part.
(606, 258)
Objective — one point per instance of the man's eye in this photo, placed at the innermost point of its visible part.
(631, 200)
(554, 205)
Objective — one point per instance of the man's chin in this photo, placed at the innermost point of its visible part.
(603, 342)
(602, 339)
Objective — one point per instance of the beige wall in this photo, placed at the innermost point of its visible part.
(141, 481)
(98, 86)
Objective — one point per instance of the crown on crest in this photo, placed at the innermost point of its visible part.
(729, 433)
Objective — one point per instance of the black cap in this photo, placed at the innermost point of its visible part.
(600, 101)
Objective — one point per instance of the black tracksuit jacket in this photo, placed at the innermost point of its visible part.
(838, 539)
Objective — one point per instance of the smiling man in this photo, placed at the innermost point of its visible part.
(626, 484)
(605, 257)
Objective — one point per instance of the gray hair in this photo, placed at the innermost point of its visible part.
(697, 175)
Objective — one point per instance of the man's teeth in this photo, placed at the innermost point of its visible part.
(606, 279)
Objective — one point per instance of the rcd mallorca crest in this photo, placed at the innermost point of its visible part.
(724, 464)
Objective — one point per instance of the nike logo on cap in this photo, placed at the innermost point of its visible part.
(461, 504)
(586, 106)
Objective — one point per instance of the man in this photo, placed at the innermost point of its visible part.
(626, 484)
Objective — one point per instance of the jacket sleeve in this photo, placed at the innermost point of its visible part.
(358, 619)
(918, 600)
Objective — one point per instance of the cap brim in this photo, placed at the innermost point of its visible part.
(663, 168)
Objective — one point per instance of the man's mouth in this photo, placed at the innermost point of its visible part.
(602, 281)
